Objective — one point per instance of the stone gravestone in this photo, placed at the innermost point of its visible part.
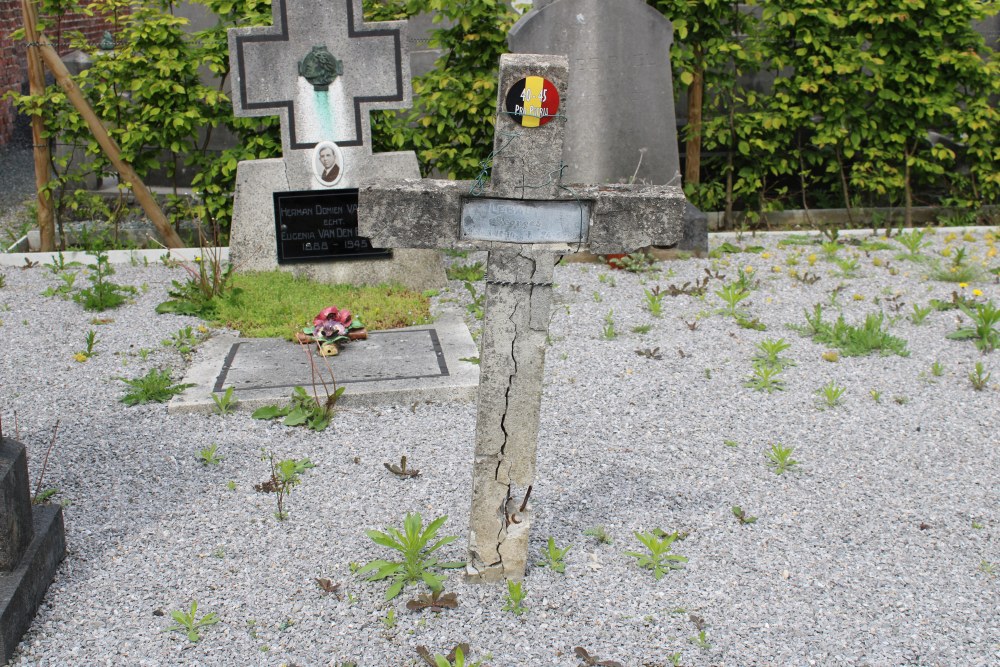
(32, 544)
(624, 127)
(524, 216)
(322, 70)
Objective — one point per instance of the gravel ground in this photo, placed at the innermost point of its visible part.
(877, 549)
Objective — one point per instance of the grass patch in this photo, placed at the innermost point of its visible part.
(277, 304)
(851, 340)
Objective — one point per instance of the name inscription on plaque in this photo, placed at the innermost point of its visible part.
(525, 221)
(320, 226)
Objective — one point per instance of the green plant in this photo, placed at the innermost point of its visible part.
(977, 378)
(831, 394)
(937, 369)
(224, 404)
(654, 301)
(455, 658)
(606, 279)
(437, 601)
(3, 281)
(478, 305)
(599, 533)
(188, 622)
(154, 387)
(183, 340)
(914, 242)
(65, 290)
(919, 314)
(209, 455)
(780, 458)
(285, 476)
(90, 340)
(414, 543)
(876, 395)
(742, 516)
(642, 328)
(515, 598)
(102, 294)
(765, 378)
(608, 332)
(592, 660)
(598, 298)
(731, 294)
(554, 557)
(658, 559)
(636, 262)
(701, 641)
(466, 272)
(206, 284)
(303, 410)
(985, 318)
(390, 619)
(770, 351)
(987, 567)
(853, 340)
(848, 266)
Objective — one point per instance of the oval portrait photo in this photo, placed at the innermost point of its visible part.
(328, 164)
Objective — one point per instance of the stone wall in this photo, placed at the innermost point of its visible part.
(13, 63)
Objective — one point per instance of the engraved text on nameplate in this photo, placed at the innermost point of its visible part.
(525, 221)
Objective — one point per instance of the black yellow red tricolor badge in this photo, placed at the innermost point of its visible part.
(532, 101)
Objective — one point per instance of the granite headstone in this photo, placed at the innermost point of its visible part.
(623, 127)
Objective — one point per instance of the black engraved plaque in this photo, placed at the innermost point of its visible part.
(320, 226)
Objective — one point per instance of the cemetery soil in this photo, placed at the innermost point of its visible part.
(880, 547)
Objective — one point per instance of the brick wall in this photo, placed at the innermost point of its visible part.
(13, 64)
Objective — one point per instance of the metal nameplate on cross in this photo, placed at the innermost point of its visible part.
(524, 216)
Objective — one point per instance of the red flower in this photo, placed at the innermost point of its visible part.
(332, 322)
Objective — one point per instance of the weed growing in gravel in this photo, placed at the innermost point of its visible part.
(876, 395)
(303, 410)
(225, 404)
(598, 533)
(701, 641)
(208, 282)
(209, 456)
(780, 458)
(554, 557)
(853, 340)
(654, 301)
(848, 266)
(183, 340)
(592, 660)
(102, 294)
(285, 476)
(769, 351)
(3, 281)
(414, 543)
(636, 262)
(983, 332)
(62, 291)
(156, 386)
(977, 378)
(920, 314)
(478, 306)
(437, 601)
(515, 598)
(742, 516)
(642, 329)
(731, 294)
(914, 242)
(466, 272)
(188, 622)
(658, 559)
(90, 340)
(765, 378)
(988, 567)
(608, 332)
(456, 658)
(831, 394)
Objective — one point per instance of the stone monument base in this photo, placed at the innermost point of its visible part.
(34, 562)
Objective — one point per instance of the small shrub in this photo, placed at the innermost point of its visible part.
(154, 387)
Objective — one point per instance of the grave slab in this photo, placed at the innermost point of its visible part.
(422, 363)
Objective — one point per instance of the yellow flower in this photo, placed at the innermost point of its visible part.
(831, 355)
(811, 259)
(775, 269)
(858, 297)
(946, 252)
(977, 292)
(992, 252)
(749, 269)
(950, 237)
(81, 357)
(202, 328)
(197, 258)
(969, 237)
(962, 285)
(765, 255)
(877, 261)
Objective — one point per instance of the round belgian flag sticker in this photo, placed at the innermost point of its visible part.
(532, 101)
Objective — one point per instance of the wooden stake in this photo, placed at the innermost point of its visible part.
(692, 151)
(36, 83)
(108, 145)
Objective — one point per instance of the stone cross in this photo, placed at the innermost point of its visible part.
(525, 216)
(322, 70)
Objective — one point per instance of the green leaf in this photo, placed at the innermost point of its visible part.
(269, 412)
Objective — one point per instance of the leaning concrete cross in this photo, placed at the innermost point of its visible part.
(524, 217)
(321, 68)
